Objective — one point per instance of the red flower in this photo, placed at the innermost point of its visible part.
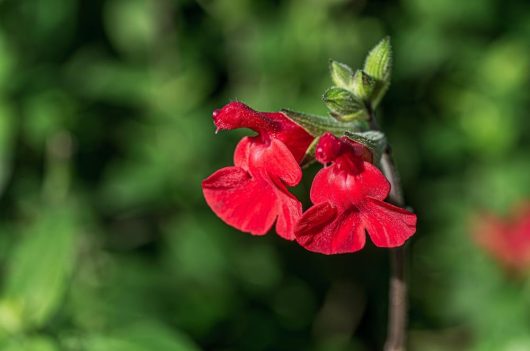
(253, 194)
(506, 240)
(348, 195)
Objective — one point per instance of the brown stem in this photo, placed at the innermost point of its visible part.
(397, 306)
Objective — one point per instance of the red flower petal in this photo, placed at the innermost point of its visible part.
(328, 149)
(348, 198)
(373, 182)
(330, 185)
(344, 188)
(252, 195)
(276, 160)
(242, 153)
(240, 201)
(325, 230)
(289, 212)
(387, 225)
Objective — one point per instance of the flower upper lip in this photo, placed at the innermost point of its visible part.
(330, 148)
(268, 125)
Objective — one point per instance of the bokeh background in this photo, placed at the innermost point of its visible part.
(106, 243)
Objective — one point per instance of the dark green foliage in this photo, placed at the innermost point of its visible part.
(105, 135)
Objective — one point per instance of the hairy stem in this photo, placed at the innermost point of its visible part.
(397, 306)
(397, 312)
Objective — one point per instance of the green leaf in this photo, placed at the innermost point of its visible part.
(363, 85)
(372, 139)
(344, 104)
(341, 74)
(318, 125)
(39, 270)
(378, 63)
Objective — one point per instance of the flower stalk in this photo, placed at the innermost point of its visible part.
(397, 295)
(397, 301)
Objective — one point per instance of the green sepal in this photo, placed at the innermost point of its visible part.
(341, 74)
(373, 139)
(361, 115)
(344, 104)
(318, 125)
(378, 65)
(363, 85)
(309, 157)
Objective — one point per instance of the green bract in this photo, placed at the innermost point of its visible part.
(373, 139)
(378, 65)
(367, 86)
(344, 105)
(341, 74)
(351, 102)
(318, 125)
(363, 85)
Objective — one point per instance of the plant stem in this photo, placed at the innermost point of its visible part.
(397, 304)
(397, 297)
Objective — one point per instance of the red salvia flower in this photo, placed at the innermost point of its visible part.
(348, 199)
(506, 240)
(252, 194)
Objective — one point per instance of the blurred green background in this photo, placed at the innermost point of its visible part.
(105, 135)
